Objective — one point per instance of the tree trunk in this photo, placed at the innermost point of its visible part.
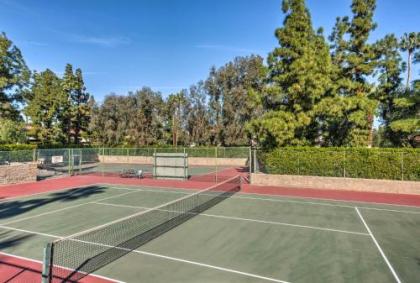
(407, 86)
(370, 125)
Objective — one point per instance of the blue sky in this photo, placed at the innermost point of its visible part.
(165, 44)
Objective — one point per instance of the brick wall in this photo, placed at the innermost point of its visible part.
(192, 161)
(335, 183)
(16, 173)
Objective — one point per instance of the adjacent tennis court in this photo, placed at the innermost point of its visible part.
(242, 238)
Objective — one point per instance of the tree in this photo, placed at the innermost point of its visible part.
(12, 131)
(299, 77)
(76, 114)
(176, 107)
(389, 70)
(197, 118)
(410, 43)
(231, 89)
(106, 123)
(355, 60)
(14, 77)
(147, 126)
(45, 102)
(405, 119)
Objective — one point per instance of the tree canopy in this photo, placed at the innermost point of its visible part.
(309, 90)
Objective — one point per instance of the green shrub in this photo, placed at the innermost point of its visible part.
(388, 163)
(11, 147)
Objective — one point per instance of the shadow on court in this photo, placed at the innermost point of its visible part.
(17, 207)
(8, 240)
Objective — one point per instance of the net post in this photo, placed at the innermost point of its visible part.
(80, 160)
(250, 163)
(47, 264)
(216, 150)
(69, 160)
(255, 160)
(154, 162)
(185, 165)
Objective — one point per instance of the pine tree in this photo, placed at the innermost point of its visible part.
(76, 113)
(299, 76)
(355, 61)
(14, 78)
(46, 101)
(390, 68)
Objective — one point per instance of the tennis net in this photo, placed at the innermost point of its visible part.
(71, 258)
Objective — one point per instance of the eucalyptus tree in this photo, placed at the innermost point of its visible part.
(230, 89)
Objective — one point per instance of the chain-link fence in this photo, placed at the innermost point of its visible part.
(205, 162)
(351, 163)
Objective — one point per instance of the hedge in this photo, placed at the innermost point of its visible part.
(370, 163)
(10, 147)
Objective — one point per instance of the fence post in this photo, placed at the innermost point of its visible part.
(69, 161)
(402, 166)
(216, 149)
(298, 158)
(250, 164)
(255, 160)
(344, 163)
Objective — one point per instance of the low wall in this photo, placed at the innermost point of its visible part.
(126, 159)
(334, 183)
(192, 161)
(17, 173)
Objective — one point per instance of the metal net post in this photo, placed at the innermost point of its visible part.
(47, 264)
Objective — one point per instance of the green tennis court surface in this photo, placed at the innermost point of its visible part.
(245, 238)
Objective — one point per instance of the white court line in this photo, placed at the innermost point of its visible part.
(39, 261)
(145, 211)
(241, 196)
(279, 196)
(29, 232)
(335, 200)
(397, 279)
(248, 220)
(213, 267)
(390, 210)
(61, 209)
(328, 204)
(167, 258)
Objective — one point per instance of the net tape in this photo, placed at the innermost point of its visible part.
(78, 255)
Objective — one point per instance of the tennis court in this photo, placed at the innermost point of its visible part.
(115, 169)
(243, 238)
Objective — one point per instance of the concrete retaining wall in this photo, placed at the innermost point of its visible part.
(17, 173)
(192, 161)
(334, 183)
